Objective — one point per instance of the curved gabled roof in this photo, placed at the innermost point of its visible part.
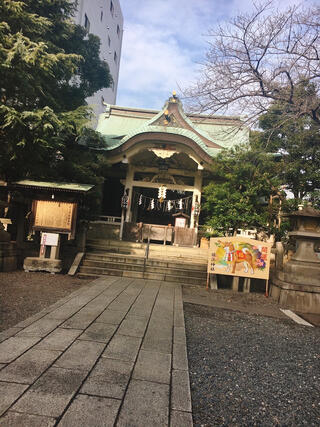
(211, 134)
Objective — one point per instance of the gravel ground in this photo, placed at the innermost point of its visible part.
(255, 303)
(24, 294)
(251, 370)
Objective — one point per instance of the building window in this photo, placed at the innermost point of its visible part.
(118, 30)
(115, 57)
(101, 15)
(109, 41)
(86, 23)
(111, 8)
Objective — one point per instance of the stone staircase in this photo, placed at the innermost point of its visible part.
(127, 259)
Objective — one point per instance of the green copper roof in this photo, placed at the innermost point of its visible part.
(119, 124)
(67, 186)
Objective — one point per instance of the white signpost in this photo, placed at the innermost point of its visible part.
(49, 239)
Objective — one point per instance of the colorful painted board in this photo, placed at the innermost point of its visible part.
(239, 256)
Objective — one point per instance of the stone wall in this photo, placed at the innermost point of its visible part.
(103, 230)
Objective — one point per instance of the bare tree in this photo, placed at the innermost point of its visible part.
(264, 56)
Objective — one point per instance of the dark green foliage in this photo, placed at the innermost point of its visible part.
(239, 193)
(285, 154)
(48, 66)
(297, 141)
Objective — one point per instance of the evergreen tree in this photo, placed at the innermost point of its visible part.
(238, 196)
(48, 66)
(297, 142)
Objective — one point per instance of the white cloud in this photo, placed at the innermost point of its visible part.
(156, 63)
(163, 43)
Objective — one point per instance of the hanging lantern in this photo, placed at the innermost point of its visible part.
(125, 201)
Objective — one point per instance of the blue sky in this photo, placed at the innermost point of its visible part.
(164, 43)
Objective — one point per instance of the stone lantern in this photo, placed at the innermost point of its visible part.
(297, 285)
(305, 262)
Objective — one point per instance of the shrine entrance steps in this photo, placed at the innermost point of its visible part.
(127, 259)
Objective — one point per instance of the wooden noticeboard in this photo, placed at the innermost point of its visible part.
(239, 256)
(180, 222)
(54, 215)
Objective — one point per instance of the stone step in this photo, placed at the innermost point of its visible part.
(116, 243)
(130, 259)
(155, 257)
(114, 249)
(155, 254)
(126, 259)
(139, 267)
(132, 247)
(185, 280)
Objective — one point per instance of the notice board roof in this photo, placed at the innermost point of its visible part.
(58, 186)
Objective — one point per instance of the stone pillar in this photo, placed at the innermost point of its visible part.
(196, 195)
(81, 236)
(279, 256)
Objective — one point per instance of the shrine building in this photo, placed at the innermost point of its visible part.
(159, 163)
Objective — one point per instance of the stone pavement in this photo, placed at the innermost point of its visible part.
(110, 354)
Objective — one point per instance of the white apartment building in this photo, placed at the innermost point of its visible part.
(104, 19)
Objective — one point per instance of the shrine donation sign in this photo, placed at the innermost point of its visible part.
(54, 215)
(239, 256)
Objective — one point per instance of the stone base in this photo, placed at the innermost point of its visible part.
(301, 298)
(42, 264)
(298, 272)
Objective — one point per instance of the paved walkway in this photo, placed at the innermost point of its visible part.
(111, 353)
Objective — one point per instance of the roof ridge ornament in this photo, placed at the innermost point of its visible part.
(174, 97)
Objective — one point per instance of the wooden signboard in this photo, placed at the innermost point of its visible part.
(239, 256)
(58, 216)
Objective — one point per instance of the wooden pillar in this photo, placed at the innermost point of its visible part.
(235, 283)
(246, 285)
(213, 282)
(20, 226)
(54, 253)
(123, 214)
(196, 195)
(129, 186)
